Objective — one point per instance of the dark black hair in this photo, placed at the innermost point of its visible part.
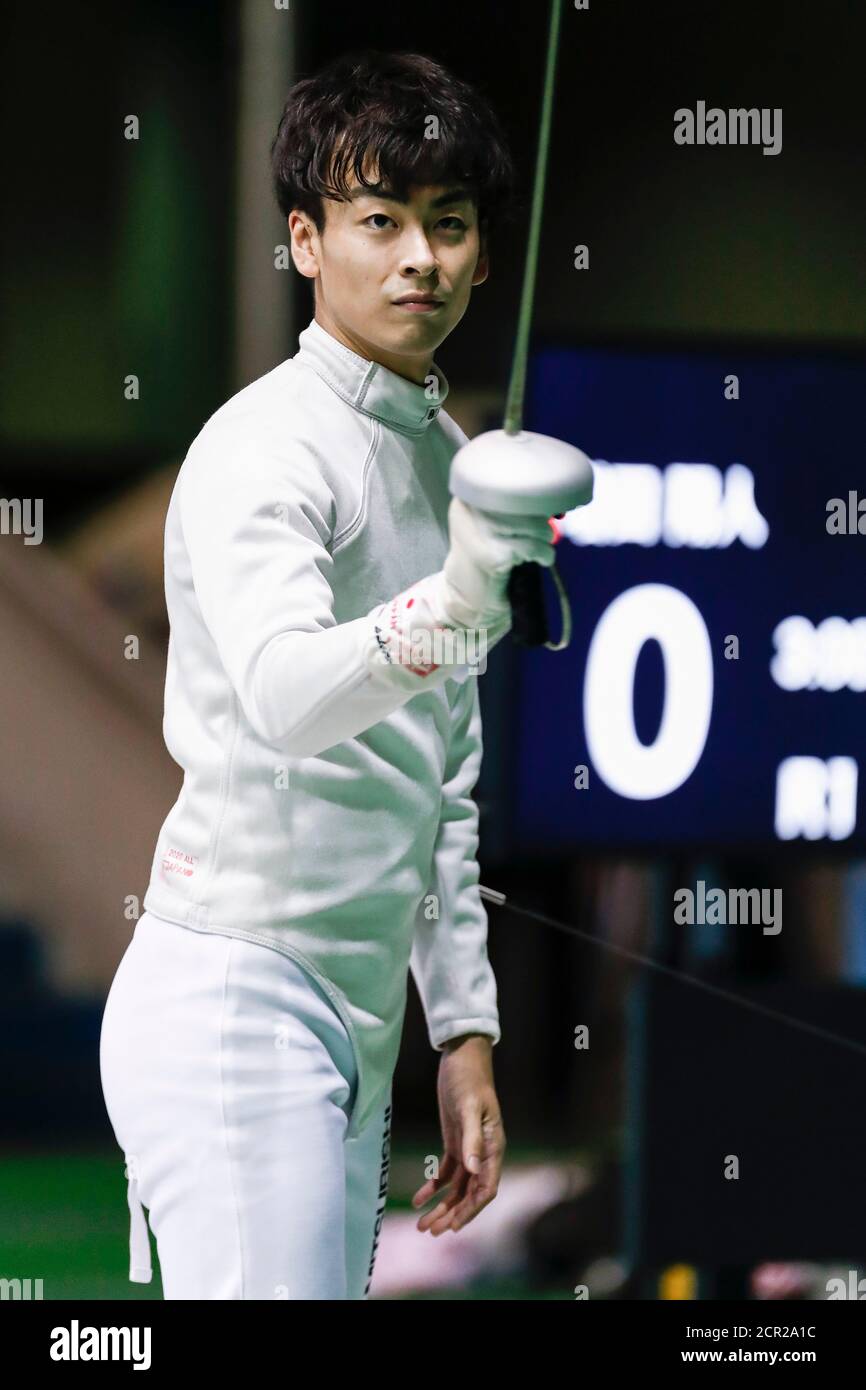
(376, 107)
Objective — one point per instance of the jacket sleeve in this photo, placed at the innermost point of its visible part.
(258, 530)
(449, 952)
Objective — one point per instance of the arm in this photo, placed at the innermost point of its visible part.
(258, 527)
(258, 532)
(458, 990)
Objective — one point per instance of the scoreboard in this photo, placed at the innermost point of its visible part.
(714, 692)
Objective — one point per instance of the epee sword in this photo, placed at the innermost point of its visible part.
(518, 472)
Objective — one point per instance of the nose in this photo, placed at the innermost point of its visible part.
(416, 256)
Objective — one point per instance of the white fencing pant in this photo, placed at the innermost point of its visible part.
(229, 1080)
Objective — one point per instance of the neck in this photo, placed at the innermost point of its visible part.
(415, 369)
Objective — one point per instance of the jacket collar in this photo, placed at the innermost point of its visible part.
(368, 386)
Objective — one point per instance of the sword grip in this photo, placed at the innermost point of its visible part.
(526, 593)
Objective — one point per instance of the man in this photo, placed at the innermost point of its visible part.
(324, 842)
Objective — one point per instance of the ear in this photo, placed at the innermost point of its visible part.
(304, 243)
(482, 267)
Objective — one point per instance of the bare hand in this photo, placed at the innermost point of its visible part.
(472, 1133)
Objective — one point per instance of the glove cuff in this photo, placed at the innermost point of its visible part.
(415, 642)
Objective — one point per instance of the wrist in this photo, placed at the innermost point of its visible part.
(408, 641)
(484, 1039)
(455, 610)
(437, 592)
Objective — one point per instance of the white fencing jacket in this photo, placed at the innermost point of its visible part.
(323, 813)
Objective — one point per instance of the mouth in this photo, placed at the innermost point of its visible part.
(418, 303)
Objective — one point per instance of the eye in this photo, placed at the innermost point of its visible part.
(460, 227)
(383, 215)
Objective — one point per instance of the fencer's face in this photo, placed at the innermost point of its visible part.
(393, 277)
